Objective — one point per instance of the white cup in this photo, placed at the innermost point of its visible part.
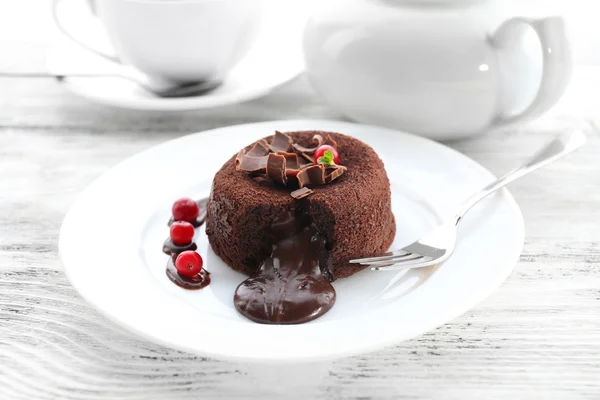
(176, 41)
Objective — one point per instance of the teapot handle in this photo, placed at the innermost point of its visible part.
(557, 64)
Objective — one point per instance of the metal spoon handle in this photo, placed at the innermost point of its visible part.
(557, 148)
(153, 87)
(59, 76)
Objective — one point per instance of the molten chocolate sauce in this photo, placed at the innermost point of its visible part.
(289, 287)
(173, 249)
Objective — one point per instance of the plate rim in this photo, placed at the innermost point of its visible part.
(448, 317)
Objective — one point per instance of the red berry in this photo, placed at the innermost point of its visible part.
(321, 151)
(189, 263)
(182, 233)
(185, 209)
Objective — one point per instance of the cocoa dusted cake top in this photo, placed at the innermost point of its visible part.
(293, 164)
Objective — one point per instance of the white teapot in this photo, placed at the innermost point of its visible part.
(440, 68)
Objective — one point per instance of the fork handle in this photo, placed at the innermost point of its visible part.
(557, 148)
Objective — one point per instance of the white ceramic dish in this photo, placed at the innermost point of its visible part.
(111, 240)
(275, 59)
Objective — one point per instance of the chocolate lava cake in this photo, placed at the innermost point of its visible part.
(353, 212)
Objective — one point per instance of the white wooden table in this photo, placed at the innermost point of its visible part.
(537, 337)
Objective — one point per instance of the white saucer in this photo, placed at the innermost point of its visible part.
(276, 58)
(111, 241)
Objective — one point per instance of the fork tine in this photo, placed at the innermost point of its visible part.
(392, 255)
(398, 267)
(420, 263)
(415, 257)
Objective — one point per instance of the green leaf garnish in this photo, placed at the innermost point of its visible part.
(326, 158)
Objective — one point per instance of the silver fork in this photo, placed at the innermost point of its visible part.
(435, 247)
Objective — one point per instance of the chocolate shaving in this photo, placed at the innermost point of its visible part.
(291, 159)
(312, 175)
(280, 142)
(301, 193)
(238, 158)
(309, 150)
(283, 167)
(292, 166)
(255, 160)
(308, 157)
(303, 163)
(253, 165)
(260, 149)
(332, 173)
(331, 142)
(276, 168)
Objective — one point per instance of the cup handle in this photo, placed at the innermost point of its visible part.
(61, 27)
(557, 63)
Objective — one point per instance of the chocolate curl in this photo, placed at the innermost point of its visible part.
(308, 157)
(311, 175)
(280, 142)
(275, 160)
(301, 193)
(253, 165)
(332, 173)
(276, 168)
(260, 148)
(331, 142)
(309, 150)
(292, 166)
(291, 159)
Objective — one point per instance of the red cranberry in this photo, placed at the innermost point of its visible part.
(320, 152)
(182, 233)
(185, 209)
(189, 263)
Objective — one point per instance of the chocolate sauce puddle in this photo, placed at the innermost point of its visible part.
(173, 249)
(187, 282)
(289, 287)
(195, 282)
(202, 205)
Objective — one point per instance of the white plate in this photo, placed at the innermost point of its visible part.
(275, 59)
(111, 241)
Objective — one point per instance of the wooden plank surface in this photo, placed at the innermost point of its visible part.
(537, 337)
